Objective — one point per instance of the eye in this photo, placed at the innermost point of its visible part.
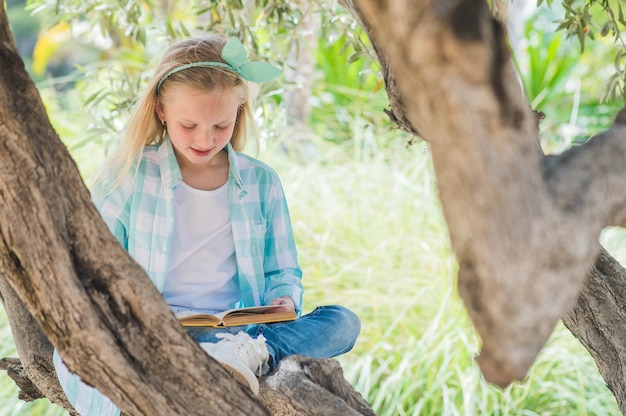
(223, 126)
(190, 127)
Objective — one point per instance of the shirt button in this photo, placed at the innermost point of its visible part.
(164, 247)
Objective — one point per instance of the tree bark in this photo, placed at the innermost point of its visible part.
(598, 320)
(93, 302)
(316, 387)
(398, 111)
(33, 372)
(524, 227)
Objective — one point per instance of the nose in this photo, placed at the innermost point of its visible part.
(206, 139)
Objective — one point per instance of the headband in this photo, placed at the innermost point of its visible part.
(235, 55)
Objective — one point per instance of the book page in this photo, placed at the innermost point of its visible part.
(246, 311)
(234, 317)
(188, 313)
(230, 312)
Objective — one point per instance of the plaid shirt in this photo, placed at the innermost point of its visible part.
(140, 213)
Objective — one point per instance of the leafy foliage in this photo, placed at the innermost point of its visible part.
(585, 19)
(575, 89)
(126, 37)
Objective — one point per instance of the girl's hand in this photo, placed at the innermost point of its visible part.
(287, 304)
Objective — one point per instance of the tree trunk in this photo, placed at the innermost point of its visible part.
(64, 275)
(299, 70)
(524, 227)
(93, 302)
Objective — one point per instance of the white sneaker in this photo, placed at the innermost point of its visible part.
(245, 357)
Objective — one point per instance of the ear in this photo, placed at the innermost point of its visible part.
(158, 107)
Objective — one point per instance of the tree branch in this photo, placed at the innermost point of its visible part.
(28, 391)
(300, 386)
(585, 174)
(397, 111)
(598, 320)
(312, 387)
(523, 252)
(93, 302)
(35, 371)
(65, 275)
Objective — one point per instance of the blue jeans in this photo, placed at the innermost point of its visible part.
(326, 332)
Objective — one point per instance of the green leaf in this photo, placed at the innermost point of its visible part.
(605, 29)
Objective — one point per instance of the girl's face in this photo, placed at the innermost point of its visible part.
(200, 123)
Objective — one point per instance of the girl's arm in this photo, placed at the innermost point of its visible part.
(283, 276)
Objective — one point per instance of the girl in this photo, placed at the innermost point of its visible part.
(210, 225)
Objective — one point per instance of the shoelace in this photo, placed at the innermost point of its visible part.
(247, 346)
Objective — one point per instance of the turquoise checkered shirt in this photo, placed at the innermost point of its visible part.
(140, 213)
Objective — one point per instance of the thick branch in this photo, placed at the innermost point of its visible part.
(28, 391)
(35, 372)
(315, 387)
(397, 112)
(523, 252)
(93, 302)
(96, 305)
(598, 320)
(588, 173)
(300, 386)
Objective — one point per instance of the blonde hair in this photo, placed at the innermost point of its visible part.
(144, 127)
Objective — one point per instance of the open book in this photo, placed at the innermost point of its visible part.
(235, 317)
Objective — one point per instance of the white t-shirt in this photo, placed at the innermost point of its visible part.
(201, 271)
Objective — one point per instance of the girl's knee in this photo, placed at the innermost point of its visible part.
(348, 323)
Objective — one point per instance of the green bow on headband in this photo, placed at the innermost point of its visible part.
(235, 56)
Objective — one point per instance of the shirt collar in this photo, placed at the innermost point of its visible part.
(233, 169)
(170, 171)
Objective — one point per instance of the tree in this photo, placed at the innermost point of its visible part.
(523, 225)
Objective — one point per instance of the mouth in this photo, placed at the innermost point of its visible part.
(200, 153)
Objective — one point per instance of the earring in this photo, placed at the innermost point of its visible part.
(163, 122)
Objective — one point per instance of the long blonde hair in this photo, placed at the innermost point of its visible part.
(144, 127)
